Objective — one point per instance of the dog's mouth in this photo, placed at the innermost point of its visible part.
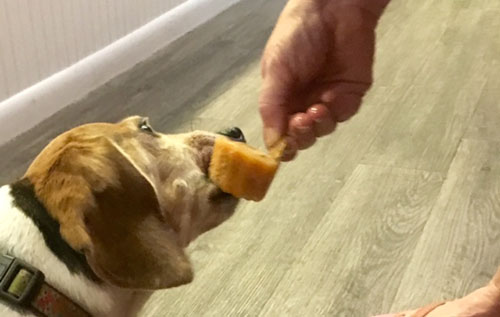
(217, 195)
(234, 134)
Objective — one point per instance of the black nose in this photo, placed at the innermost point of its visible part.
(234, 133)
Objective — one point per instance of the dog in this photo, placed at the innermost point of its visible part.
(102, 217)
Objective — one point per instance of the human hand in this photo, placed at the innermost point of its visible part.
(316, 68)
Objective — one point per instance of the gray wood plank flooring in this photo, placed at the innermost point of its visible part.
(348, 261)
(399, 207)
(457, 251)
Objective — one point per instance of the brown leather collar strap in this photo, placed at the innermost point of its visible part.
(51, 303)
(23, 286)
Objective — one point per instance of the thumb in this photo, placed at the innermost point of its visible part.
(273, 107)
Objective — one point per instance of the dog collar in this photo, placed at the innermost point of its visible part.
(24, 286)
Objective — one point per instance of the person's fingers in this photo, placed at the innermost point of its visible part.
(301, 127)
(291, 149)
(344, 106)
(342, 99)
(323, 121)
(273, 103)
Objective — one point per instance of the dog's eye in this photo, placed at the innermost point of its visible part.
(144, 126)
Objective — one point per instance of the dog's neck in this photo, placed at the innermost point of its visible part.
(20, 237)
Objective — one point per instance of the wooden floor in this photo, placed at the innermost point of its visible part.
(400, 207)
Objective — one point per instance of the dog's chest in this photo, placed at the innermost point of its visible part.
(20, 237)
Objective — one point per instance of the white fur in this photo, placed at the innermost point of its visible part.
(19, 237)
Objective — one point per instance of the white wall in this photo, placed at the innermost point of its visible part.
(41, 37)
(54, 52)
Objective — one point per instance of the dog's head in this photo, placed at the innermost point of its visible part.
(130, 199)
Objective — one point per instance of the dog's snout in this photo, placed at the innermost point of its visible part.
(234, 133)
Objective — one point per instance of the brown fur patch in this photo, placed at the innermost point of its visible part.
(108, 209)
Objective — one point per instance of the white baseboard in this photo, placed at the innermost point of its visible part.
(26, 109)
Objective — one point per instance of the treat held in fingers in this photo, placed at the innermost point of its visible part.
(243, 171)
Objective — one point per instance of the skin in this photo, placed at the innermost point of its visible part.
(316, 68)
(483, 302)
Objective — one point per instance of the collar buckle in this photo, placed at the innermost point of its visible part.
(19, 281)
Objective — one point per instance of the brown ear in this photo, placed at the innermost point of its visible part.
(117, 222)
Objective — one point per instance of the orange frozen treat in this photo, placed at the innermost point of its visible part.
(243, 171)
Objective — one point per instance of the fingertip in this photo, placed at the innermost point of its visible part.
(273, 111)
(301, 127)
(323, 121)
(271, 136)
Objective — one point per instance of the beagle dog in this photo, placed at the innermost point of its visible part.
(101, 219)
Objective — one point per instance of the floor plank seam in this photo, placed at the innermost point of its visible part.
(402, 168)
(414, 251)
(332, 201)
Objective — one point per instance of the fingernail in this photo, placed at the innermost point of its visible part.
(303, 130)
(271, 136)
(321, 120)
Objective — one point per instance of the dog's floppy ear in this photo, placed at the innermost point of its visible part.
(108, 209)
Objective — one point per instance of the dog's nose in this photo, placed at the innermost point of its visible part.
(234, 133)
